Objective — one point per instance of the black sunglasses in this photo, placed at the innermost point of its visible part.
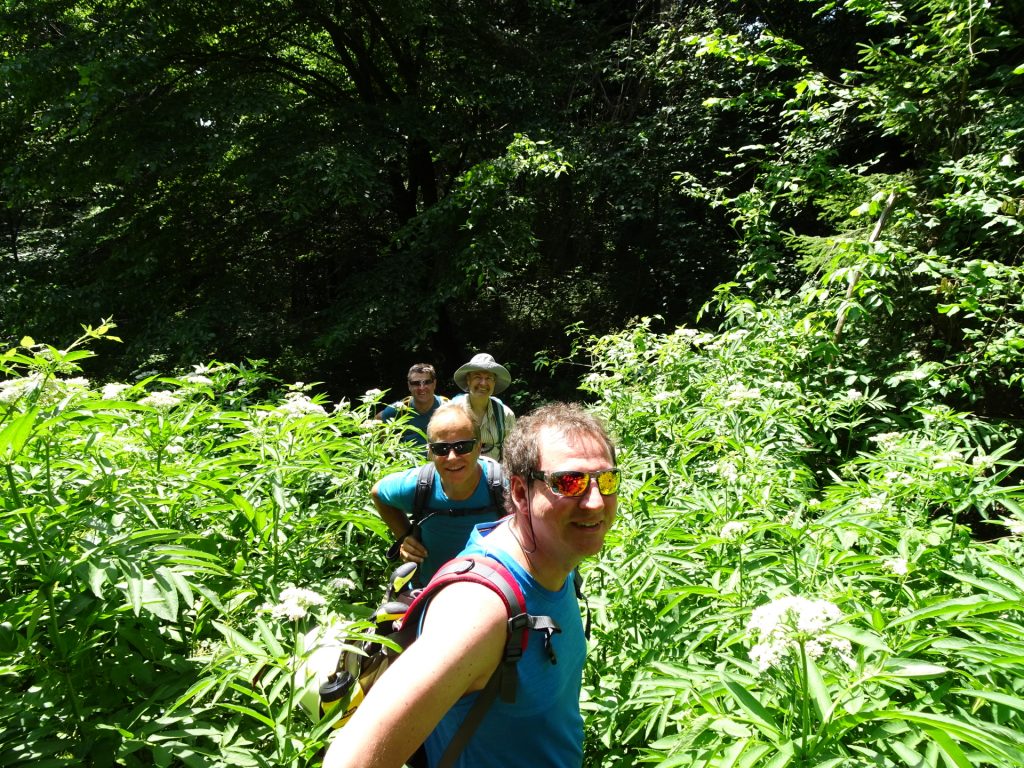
(461, 447)
(423, 383)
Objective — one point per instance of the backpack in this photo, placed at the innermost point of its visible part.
(493, 474)
(398, 619)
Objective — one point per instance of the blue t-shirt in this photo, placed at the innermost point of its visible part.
(443, 535)
(543, 728)
(415, 418)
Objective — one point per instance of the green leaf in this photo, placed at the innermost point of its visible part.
(954, 756)
(958, 607)
(239, 640)
(759, 714)
(17, 431)
(818, 690)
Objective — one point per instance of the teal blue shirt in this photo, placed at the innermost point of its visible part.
(543, 728)
(415, 418)
(443, 535)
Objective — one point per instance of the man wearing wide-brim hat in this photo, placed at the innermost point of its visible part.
(482, 378)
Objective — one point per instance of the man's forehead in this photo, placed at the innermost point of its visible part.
(556, 443)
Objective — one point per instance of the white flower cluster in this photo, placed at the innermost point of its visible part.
(297, 404)
(13, 389)
(788, 623)
(739, 392)
(198, 379)
(372, 395)
(161, 399)
(113, 391)
(294, 603)
(734, 529)
(728, 470)
(1014, 525)
(897, 565)
(53, 389)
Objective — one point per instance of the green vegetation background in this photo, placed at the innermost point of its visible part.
(777, 247)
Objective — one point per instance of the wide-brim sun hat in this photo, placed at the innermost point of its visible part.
(483, 362)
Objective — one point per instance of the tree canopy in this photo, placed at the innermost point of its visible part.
(341, 188)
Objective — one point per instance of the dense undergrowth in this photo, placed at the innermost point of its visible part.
(817, 562)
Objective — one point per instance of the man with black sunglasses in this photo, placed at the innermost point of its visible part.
(421, 404)
(562, 496)
(461, 494)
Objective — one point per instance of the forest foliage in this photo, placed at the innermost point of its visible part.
(341, 188)
(778, 249)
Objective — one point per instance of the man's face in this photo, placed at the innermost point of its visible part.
(454, 469)
(481, 383)
(567, 529)
(421, 386)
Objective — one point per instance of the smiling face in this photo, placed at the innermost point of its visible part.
(480, 383)
(565, 529)
(459, 474)
(421, 387)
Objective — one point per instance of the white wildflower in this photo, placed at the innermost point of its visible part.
(341, 584)
(297, 404)
(372, 395)
(78, 382)
(947, 459)
(784, 625)
(1014, 526)
(294, 603)
(873, 503)
(739, 392)
(113, 391)
(175, 446)
(198, 379)
(160, 399)
(13, 389)
(885, 437)
(983, 462)
(734, 529)
(897, 565)
(727, 470)
(853, 395)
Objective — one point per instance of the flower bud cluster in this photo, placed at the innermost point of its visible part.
(789, 623)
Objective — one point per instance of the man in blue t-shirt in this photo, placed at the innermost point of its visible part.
(460, 496)
(562, 498)
(421, 404)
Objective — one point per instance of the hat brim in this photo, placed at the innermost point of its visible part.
(502, 378)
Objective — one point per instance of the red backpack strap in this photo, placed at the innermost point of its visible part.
(504, 680)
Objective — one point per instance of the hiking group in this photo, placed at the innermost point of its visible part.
(480, 686)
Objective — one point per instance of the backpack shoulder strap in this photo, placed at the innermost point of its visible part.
(495, 475)
(504, 680)
(498, 409)
(424, 485)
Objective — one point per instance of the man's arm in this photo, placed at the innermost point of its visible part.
(462, 641)
(398, 523)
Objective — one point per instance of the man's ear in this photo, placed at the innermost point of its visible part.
(518, 489)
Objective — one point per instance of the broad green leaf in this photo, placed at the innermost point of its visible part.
(818, 691)
(954, 756)
(957, 607)
(760, 716)
(16, 433)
